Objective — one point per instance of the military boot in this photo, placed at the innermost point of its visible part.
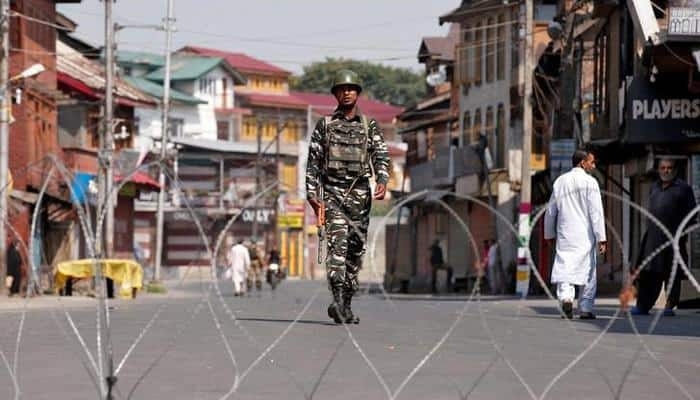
(335, 310)
(350, 318)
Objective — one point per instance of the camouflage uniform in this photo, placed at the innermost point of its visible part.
(255, 272)
(347, 194)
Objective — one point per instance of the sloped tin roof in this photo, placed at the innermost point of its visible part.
(326, 103)
(156, 90)
(240, 61)
(75, 65)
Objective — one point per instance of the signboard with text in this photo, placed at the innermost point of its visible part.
(661, 113)
(683, 18)
(560, 152)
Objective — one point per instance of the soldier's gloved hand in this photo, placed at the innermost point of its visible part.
(315, 204)
(380, 191)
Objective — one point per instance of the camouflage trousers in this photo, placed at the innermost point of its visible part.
(347, 220)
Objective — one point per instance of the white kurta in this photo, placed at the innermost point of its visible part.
(575, 217)
(239, 261)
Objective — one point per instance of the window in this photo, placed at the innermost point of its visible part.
(478, 53)
(222, 130)
(250, 127)
(464, 58)
(466, 128)
(224, 94)
(515, 46)
(600, 75)
(175, 127)
(289, 177)
(490, 50)
(501, 49)
(269, 131)
(490, 132)
(476, 128)
(500, 142)
(421, 145)
(291, 132)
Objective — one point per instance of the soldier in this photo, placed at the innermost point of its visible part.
(255, 272)
(345, 148)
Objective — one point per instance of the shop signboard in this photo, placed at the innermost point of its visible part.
(560, 152)
(263, 215)
(683, 19)
(661, 113)
(291, 220)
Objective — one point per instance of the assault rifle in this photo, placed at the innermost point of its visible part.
(321, 225)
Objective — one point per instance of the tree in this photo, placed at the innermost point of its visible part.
(398, 86)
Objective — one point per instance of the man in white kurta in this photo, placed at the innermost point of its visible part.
(574, 218)
(239, 262)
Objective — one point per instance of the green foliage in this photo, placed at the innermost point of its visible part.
(398, 86)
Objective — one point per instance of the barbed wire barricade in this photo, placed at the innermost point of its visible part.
(122, 361)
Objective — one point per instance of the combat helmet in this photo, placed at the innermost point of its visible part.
(346, 77)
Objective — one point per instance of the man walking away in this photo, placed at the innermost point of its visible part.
(670, 200)
(345, 149)
(574, 216)
(239, 262)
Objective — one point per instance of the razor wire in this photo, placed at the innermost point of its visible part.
(102, 368)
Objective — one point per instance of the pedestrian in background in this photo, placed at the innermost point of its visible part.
(574, 220)
(274, 270)
(490, 265)
(345, 150)
(255, 272)
(239, 262)
(437, 262)
(670, 200)
(13, 281)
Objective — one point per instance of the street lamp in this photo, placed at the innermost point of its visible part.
(34, 70)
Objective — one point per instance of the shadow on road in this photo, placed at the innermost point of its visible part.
(286, 321)
(683, 324)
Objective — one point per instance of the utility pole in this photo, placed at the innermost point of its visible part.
(163, 144)
(523, 270)
(107, 143)
(4, 134)
(257, 180)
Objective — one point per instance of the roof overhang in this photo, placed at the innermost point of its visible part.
(461, 12)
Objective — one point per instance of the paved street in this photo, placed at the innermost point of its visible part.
(182, 355)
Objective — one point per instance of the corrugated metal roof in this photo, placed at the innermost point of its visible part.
(74, 64)
(239, 61)
(192, 67)
(326, 103)
(221, 146)
(156, 90)
(274, 100)
(140, 57)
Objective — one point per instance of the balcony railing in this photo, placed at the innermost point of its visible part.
(449, 164)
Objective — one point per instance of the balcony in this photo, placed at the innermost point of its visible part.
(449, 164)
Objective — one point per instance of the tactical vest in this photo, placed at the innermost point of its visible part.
(346, 147)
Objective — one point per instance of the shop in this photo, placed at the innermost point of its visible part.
(664, 117)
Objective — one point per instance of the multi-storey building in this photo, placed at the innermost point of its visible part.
(33, 135)
(273, 122)
(629, 85)
(467, 138)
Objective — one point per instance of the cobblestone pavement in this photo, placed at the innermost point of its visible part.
(285, 348)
